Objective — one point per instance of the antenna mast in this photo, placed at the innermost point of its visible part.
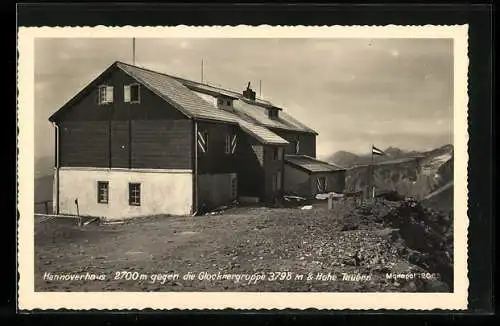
(260, 88)
(202, 70)
(133, 51)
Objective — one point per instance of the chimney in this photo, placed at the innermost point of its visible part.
(249, 93)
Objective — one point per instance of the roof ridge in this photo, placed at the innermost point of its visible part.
(190, 81)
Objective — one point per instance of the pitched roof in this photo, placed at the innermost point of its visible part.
(181, 94)
(178, 89)
(178, 95)
(262, 134)
(311, 164)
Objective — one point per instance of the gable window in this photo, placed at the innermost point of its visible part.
(105, 94)
(321, 184)
(102, 192)
(277, 153)
(131, 93)
(134, 194)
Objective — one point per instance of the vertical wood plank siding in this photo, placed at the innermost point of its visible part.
(250, 166)
(84, 143)
(149, 134)
(307, 142)
(119, 144)
(163, 144)
(272, 167)
(215, 160)
(151, 106)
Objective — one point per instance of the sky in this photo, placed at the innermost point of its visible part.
(353, 92)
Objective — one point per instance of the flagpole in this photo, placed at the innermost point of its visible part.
(372, 181)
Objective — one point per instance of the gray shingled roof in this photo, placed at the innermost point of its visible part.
(187, 101)
(311, 164)
(178, 90)
(177, 94)
(262, 134)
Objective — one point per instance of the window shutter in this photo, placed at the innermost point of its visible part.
(126, 93)
(234, 141)
(109, 94)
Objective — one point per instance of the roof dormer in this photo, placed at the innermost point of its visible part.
(224, 103)
(273, 113)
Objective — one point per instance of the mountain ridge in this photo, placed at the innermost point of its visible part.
(348, 159)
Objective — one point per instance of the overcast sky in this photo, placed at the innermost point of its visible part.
(354, 92)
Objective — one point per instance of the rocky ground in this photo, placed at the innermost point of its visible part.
(376, 247)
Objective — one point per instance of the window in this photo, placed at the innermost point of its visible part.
(102, 192)
(105, 94)
(228, 102)
(134, 194)
(321, 184)
(296, 147)
(220, 101)
(278, 153)
(273, 113)
(203, 141)
(277, 181)
(131, 93)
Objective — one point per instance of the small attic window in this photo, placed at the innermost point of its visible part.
(131, 93)
(223, 102)
(105, 94)
(273, 113)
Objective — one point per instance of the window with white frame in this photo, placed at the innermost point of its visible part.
(105, 94)
(321, 184)
(102, 192)
(131, 93)
(134, 194)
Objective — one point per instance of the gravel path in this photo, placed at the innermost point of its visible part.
(242, 249)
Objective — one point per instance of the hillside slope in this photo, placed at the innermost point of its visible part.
(44, 176)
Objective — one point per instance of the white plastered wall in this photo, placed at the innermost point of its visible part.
(162, 192)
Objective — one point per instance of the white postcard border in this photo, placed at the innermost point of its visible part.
(29, 299)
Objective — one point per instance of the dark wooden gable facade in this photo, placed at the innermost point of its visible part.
(305, 142)
(153, 134)
(148, 134)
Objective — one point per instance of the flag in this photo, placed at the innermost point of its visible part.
(376, 151)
